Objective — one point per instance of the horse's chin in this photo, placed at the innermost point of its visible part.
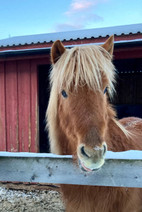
(84, 168)
(88, 167)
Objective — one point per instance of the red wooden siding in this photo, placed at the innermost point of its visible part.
(19, 106)
(2, 109)
(24, 92)
(34, 108)
(11, 106)
(127, 53)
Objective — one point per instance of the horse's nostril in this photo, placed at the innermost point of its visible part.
(83, 151)
(104, 148)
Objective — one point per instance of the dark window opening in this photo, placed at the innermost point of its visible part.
(128, 97)
(44, 93)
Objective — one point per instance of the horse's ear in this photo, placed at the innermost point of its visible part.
(109, 44)
(56, 51)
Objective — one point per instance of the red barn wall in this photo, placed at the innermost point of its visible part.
(19, 105)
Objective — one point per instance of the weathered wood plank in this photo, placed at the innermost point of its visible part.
(120, 169)
(34, 145)
(11, 106)
(2, 109)
(24, 93)
(29, 186)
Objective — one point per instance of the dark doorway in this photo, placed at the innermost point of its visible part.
(44, 93)
(128, 98)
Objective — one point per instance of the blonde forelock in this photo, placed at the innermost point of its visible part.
(82, 65)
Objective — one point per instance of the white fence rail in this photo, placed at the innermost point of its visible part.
(123, 169)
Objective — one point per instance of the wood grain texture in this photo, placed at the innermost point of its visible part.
(11, 106)
(2, 109)
(24, 95)
(123, 169)
(34, 146)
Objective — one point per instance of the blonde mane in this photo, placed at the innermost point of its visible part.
(79, 66)
(82, 65)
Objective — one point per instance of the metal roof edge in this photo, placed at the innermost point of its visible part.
(46, 50)
(71, 35)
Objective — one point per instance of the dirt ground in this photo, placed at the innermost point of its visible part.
(30, 201)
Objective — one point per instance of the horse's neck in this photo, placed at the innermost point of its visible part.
(115, 137)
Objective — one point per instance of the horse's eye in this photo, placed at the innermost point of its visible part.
(105, 90)
(64, 94)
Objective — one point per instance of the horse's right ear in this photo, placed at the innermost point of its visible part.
(56, 51)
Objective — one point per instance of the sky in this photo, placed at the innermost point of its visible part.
(27, 17)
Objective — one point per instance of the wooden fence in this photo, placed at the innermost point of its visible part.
(123, 169)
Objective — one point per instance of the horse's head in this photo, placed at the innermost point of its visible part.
(78, 106)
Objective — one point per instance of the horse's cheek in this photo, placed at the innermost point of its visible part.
(63, 112)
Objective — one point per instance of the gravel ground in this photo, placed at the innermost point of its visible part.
(30, 201)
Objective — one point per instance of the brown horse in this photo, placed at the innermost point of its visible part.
(81, 122)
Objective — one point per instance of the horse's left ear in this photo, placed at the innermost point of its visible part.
(56, 51)
(109, 44)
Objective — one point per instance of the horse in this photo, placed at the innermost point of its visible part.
(82, 122)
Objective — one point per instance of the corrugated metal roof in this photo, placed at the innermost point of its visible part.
(72, 35)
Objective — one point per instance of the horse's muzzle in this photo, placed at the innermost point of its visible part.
(91, 159)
